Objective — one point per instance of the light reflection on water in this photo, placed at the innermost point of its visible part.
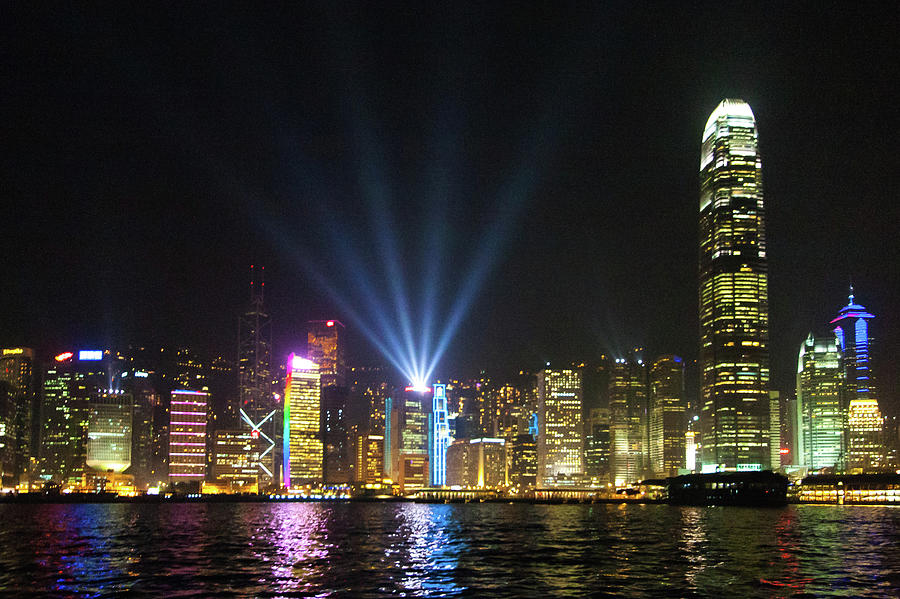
(402, 549)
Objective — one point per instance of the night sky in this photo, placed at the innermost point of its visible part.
(543, 164)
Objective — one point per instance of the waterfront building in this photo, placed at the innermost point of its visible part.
(370, 459)
(560, 425)
(302, 412)
(236, 454)
(774, 430)
(628, 420)
(259, 409)
(109, 432)
(597, 444)
(187, 435)
(865, 443)
(733, 294)
(70, 382)
(18, 404)
(337, 443)
(325, 347)
(523, 464)
(668, 420)
(406, 438)
(821, 418)
(476, 463)
(439, 436)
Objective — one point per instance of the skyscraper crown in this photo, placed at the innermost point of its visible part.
(729, 107)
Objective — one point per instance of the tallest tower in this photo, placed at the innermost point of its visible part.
(734, 298)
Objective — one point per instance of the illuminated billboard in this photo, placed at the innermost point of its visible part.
(90, 354)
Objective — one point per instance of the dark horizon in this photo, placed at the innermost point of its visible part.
(154, 157)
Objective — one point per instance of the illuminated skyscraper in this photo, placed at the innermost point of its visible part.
(476, 463)
(259, 410)
(236, 456)
(17, 422)
(187, 436)
(821, 417)
(325, 347)
(597, 444)
(560, 440)
(734, 302)
(865, 447)
(406, 438)
(302, 412)
(628, 412)
(109, 432)
(439, 436)
(668, 421)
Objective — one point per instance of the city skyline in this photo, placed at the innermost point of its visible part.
(140, 225)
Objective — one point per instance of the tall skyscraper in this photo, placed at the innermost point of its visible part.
(439, 436)
(668, 420)
(302, 412)
(18, 394)
(734, 301)
(628, 413)
(325, 347)
(560, 426)
(865, 447)
(597, 444)
(259, 411)
(406, 438)
(821, 417)
(187, 436)
(109, 432)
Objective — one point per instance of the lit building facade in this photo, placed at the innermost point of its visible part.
(597, 444)
(406, 438)
(733, 294)
(439, 436)
(109, 432)
(523, 463)
(668, 420)
(302, 412)
(560, 425)
(187, 435)
(236, 454)
(325, 347)
(370, 459)
(476, 463)
(18, 394)
(821, 418)
(865, 443)
(628, 413)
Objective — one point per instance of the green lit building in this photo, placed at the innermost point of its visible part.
(733, 294)
(821, 419)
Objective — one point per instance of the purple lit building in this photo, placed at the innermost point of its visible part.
(187, 436)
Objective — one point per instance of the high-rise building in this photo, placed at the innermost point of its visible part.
(70, 383)
(865, 443)
(628, 421)
(235, 462)
(821, 417)
(302, 412)
(325, 347)
(597, 444)
(337, 443)
(560, 426)
(734, 301)
(18, 404)
(259, 409)
(668, 420)
(439, 436)
(370, 459)
(109, 432)
(476, 463)
(406, 438)
(187, 436)
(523, 464)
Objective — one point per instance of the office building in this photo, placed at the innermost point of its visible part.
(187, 436)
(476, 463)
(597, 444)
(302, 412)
(668, 418)
(560, 426)
(821, 418)
(370, 459)
(733, 294)
(628, 420)
(325, 347)
(236, 454)
(18, 396)
(439, 436)
(406, 438)
(523, 463)
(109, 432)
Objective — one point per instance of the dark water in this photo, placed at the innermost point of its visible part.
(483, 550)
